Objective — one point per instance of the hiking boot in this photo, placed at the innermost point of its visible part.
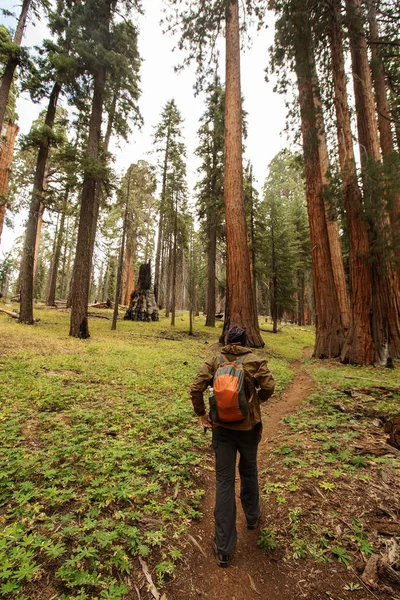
(222, 559)
(253, 525)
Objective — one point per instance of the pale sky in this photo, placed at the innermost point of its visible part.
(159, 83)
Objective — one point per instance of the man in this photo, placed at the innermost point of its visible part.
(228, 438)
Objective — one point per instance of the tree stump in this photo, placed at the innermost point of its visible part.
(142, 306)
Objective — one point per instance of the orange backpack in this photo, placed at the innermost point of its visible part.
(228, 402)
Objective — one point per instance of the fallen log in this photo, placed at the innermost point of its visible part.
(107, 304)
(9, 313)
(388, 575)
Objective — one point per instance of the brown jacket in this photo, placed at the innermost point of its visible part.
(257, 375)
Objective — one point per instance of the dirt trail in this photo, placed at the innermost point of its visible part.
(252, 574)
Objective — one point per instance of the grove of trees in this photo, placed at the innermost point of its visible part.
(319, 244)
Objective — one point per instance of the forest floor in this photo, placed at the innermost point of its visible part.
(107, 481)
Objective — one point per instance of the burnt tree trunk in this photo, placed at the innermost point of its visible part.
(329, 331)
(35, 216)
(386, 295)
(358, 346)
(240, 307)
(142, 306)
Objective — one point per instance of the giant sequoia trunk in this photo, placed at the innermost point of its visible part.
(386, 296)
(35, 216)
(329, 331)
(12, 62)
(331, 221)
(358, 347)
(6, 156)
(240, 304)
(390, 159)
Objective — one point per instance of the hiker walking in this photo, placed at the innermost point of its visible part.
(239, 381)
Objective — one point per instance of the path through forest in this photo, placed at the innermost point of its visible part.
(253, 573)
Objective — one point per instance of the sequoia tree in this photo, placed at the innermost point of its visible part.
(386, 294)
(201, 23)
(358, 346)
(240, 302)
(294, 44)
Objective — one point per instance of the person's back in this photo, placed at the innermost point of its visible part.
(230, 437)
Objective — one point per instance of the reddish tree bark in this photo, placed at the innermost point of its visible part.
(12, 62)
(6, 156)
(386, 296)
(329, 330)
(358, 347)
(384, 126)
(128, 283)
(240, 305)
(331, 221)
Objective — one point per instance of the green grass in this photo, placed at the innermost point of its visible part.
(100, 447)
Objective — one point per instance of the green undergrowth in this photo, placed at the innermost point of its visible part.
(332, 482)
(101, 452)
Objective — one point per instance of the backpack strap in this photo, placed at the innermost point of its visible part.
(238, 359)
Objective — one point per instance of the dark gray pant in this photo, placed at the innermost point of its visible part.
(226, 444)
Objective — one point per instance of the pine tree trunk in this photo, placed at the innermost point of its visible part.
(12, 63)
(53, 253)
(384, 126)
(329, 331)
(174, 263)
(35, 217)
(128, 283)
(211, 260)
(118, 289)
(168, 283)
(128, 272)
(358, 346)
(300, 298)
(157, 276)
(240, 305)
(50, 301)
(89, 204)
(6, 156)
(386, 295)
(89, 210)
